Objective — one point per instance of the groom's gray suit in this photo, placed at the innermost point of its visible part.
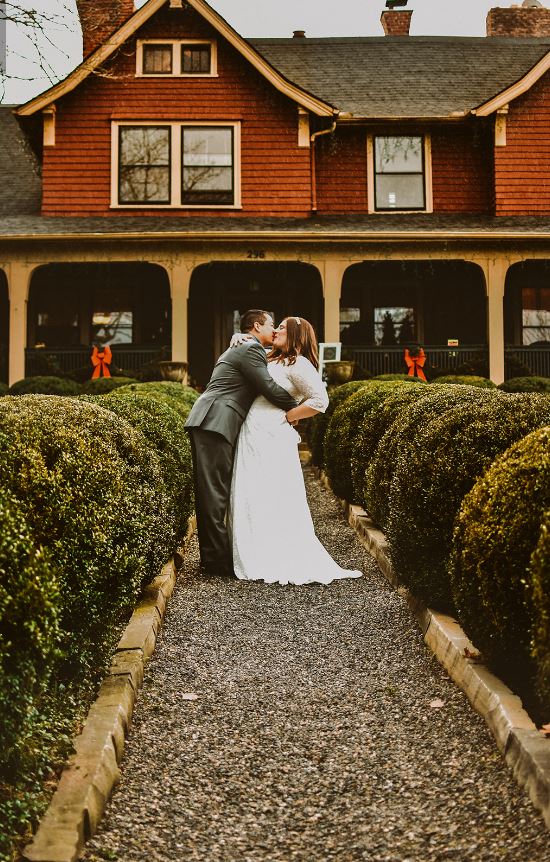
(239, 375)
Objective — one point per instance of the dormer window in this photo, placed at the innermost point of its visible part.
(399, 173)
(176, 57)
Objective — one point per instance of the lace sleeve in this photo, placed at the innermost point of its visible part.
(307, 380)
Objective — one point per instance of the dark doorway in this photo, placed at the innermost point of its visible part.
(221, 292)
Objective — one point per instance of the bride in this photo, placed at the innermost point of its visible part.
(268, 510)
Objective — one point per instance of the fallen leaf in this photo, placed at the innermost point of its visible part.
(437, 703)
(190, 695)
(545, 730)
(474, 656)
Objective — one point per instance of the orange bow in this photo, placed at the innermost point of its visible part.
(100, 361)
(415, 364)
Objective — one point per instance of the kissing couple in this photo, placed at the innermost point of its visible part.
(253, 519)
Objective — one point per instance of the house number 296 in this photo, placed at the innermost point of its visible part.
(254, 254)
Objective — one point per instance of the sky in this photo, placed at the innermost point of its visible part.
(62, 48)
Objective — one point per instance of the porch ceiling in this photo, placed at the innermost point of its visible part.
(425, 226)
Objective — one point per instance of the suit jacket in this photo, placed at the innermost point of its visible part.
(239, 376)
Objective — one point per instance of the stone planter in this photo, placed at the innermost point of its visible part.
(339, 372)
(176, 371)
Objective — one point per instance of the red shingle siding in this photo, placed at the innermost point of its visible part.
(275, 171)
(341, 161)
(522, 167)
(462, 165)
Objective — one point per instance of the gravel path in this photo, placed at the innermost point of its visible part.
(312, 737)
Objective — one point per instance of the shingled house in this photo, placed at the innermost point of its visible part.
(392, 189)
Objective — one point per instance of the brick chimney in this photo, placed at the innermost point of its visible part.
(523, 20)
(100, 18)
(396, 22)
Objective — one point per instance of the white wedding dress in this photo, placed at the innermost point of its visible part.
(269, 518)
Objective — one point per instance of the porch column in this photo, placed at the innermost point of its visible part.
(179, 274)
(496, 276)
(332, 273)
(18, 275)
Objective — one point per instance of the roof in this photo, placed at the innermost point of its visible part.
(399, 77)
(420, 226)
(302, 97)
(21, 188)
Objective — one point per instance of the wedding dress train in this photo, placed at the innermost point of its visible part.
(269, 519)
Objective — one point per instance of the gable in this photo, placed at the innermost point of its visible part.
(301, 96)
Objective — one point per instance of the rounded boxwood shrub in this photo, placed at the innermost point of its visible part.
(404, 378)
(455, 440)
(465, 380)
(45, 386)
(164, 429)
(344, 429)
(319, 423)
(102, 385)
(88, 486)
(500, 524)
(526, 384)
(370, 435)
(29, 623)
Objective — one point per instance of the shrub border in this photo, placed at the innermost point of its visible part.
(525, 749)
(77, 805)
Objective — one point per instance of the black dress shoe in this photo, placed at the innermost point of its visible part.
(217, 572)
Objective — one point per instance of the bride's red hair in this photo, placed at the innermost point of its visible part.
(300, 339)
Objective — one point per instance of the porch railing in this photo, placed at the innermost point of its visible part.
(389, 360)
(65, 360)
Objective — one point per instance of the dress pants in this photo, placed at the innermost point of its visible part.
(212, 472)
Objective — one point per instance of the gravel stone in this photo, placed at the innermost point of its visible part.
(311, 737)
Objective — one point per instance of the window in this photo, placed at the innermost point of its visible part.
(195, 59)
(536, 315)
(112, 327)
(176, 57)
(176, 165)
(144, 168)
(393, 326)
(399, 175)
(207, 175)
(157, 59)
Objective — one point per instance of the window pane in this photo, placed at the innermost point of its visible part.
(157, 59)
(394, 325)
(398, 155)
(144, 145)
(195, 59)
(399, 192)
(207, 175)
(207, 146)
(112, 327)
(145, 185)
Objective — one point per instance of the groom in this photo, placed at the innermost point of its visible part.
(213, 425)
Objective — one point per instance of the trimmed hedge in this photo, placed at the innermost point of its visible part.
(526, 384)
(164, 429)
(29, 625)
(367, 493)
(344, 429)
(465, 380)
(175, 395)
(500, 540)
(45, 386)
(539, 578)
(450, 438)
(403, 378)
(320, 422)
(103, 385)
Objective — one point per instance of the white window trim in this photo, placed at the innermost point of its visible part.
(176, 58)
(428, 187)
(176, 166)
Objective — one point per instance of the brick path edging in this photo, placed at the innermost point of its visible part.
(86, 783)
(525, 749)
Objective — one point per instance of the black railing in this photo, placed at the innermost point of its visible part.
(65, 360)
(390, 360)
